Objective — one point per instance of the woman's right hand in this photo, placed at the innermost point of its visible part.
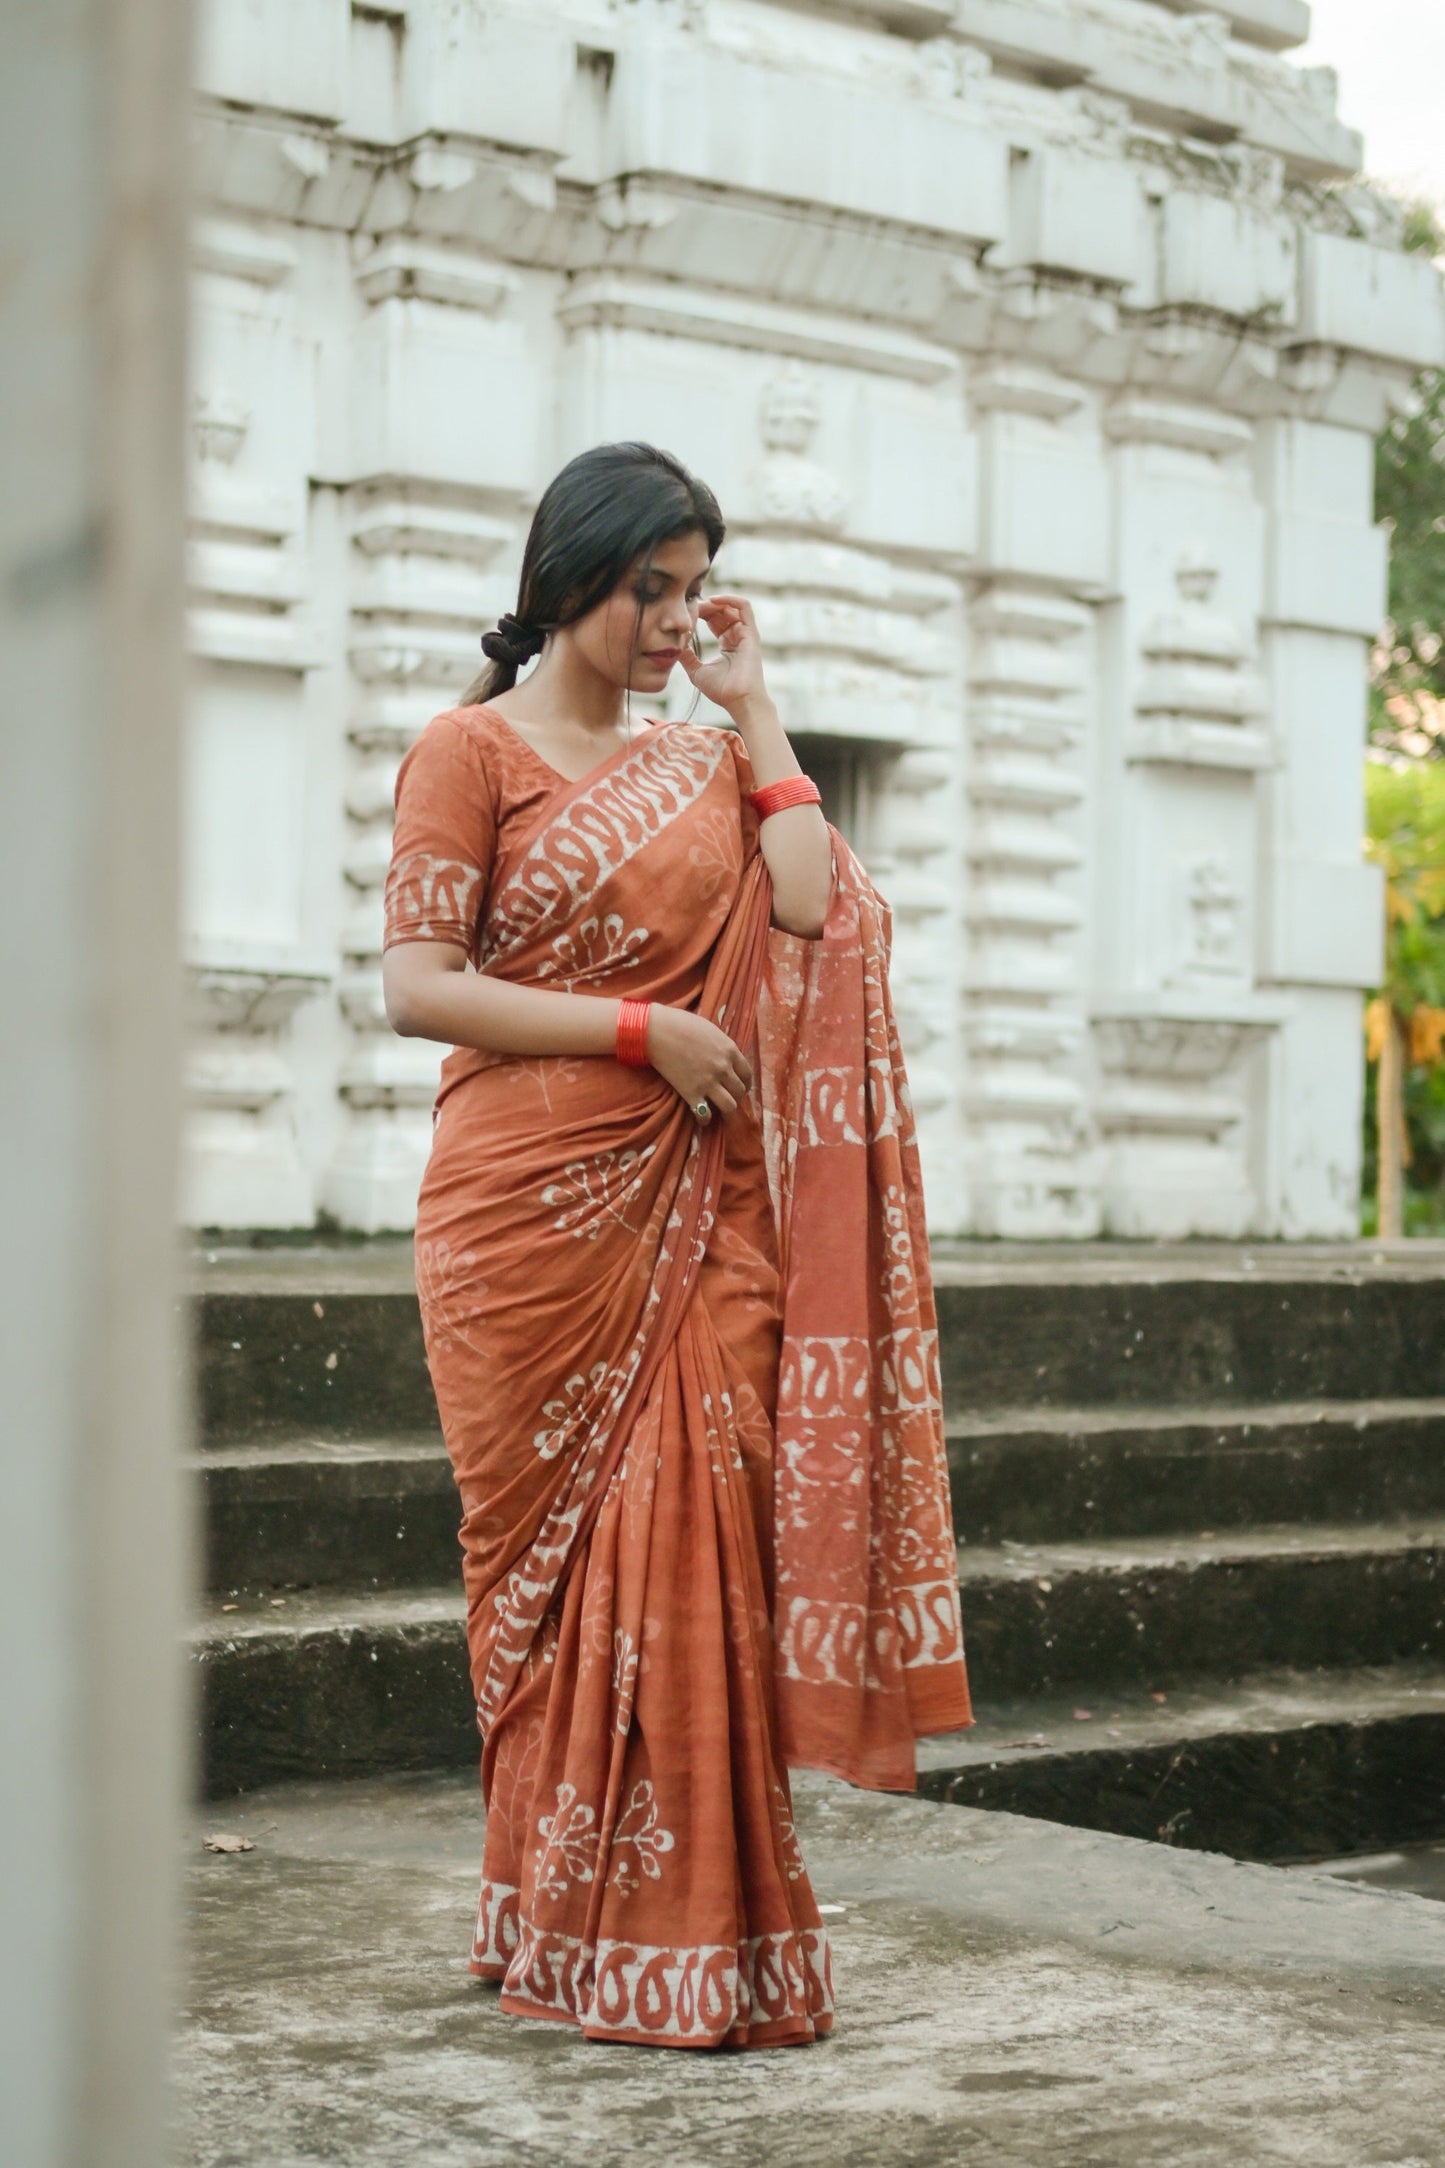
(697, 1058)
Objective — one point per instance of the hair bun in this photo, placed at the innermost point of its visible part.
(512, 643)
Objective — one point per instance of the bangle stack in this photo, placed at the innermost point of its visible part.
(777, 797)
(632, 1033)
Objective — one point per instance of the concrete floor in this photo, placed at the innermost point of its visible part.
(1010, 1991)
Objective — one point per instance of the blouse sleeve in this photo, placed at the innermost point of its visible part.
(443, 842)
(743, 768)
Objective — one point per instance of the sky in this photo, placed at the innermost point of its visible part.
(1390, 55)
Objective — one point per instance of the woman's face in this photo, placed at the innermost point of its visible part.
(667, 595)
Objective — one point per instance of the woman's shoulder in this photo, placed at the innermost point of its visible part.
(710, 738)
(473, 733)
(456, 749)
(481, 727)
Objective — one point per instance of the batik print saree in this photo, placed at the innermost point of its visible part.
(688, 1379)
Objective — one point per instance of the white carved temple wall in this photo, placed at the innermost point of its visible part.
(1035, 349)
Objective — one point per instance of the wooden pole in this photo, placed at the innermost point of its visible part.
(1390, 1124)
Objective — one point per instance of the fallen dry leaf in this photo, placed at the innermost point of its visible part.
(1083, 1716)
(1158, 1697)
(224, 1843)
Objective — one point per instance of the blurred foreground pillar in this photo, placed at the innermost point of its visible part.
(92, 1535)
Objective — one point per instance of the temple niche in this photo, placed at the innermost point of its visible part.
(1036, 355)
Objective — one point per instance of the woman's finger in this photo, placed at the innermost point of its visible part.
(723, 1100)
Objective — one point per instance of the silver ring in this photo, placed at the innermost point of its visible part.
(702, 1112)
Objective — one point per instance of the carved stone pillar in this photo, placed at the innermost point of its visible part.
(256, 948)
(1028, 676)
(422, 580)
(1180, 1028)
(442, 447)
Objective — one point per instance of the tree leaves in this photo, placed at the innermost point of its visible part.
(1409, 673)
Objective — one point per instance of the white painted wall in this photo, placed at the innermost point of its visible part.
(1042, 418)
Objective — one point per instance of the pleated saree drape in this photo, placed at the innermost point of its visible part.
(688, 1380)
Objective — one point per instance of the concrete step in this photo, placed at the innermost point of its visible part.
(1038, 1475)
(1152, 1611)
(328, 1341)
(324, 1682)
(1279, 1765)
(320, 1512)
(1247, 1329)
(324, 1685)
(1282, 1765)
(383, 1513)
(308, 1344)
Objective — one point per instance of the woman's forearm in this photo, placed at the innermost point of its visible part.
(466, 1008)
(796, 846)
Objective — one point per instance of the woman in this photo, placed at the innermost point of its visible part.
(674, 1285)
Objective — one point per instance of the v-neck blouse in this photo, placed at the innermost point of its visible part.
(467, 786)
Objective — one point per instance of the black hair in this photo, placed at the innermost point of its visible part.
(607, 507)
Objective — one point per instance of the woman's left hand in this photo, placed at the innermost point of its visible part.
(735, 675)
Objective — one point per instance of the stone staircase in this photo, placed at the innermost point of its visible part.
(1201, 1496)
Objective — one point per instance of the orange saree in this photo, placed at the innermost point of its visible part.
(688, 1381)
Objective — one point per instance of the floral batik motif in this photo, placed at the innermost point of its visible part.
(687, 1378)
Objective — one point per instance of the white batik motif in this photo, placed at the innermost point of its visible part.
(568, 1850)
(566, 1411)
(628, 1662)
(594, 1191)
(451, 1295)
(595, 949)
(431, 899)
(639, 1842)
(598, 832)
(788, 1836)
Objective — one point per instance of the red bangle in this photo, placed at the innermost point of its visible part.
(632, 1033)
(777, 797)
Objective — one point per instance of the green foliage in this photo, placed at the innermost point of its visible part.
(1425, 1175)
(1405, 815)
(1410, 500)
(1406, 797)
(1405, 803)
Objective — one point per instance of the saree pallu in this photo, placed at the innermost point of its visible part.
(688, 1380)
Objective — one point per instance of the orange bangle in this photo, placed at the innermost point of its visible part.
(632, 1033)
(777, 797)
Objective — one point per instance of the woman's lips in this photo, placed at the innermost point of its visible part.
(663, 656)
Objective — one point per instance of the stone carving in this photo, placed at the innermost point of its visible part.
(1200, 689)
(1215, 906)
(948, 69)
(219, 424)
(1031, 1174)
(793, 489)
